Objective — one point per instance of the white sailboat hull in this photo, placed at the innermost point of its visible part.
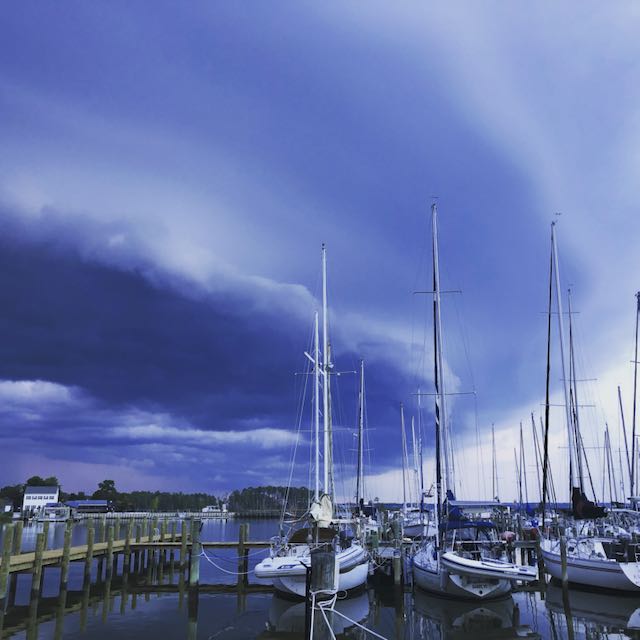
(487, 568)
(289, 573)
(594, 572)
(466, 587)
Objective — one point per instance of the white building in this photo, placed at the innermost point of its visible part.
(36, 498)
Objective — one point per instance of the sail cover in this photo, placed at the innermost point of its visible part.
(583, 508)
(322, 511)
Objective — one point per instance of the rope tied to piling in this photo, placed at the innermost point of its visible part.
(329, 605)
(231, 573)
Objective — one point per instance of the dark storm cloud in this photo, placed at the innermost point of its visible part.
(136, 357)
(130, 339)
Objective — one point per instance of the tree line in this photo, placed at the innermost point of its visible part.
(121, 500)
(252, 500)
(269, 499)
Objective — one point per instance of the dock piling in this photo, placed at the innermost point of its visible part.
(6, 558)
(243, 556)
(36, 578)
(17, 537)
(89, 559)
(194, 568)
(109, 574)
(66, 552)
(563, 561)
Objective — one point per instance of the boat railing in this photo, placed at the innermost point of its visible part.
(480, 549)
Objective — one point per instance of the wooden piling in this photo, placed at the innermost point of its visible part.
(45, 531)
(397, 567)
(563, 561)
(172, 553)
(36, 578)
(66, 552)
(183, 546)
(17, 537)
(126, 562)
(100, 535)
(323, 583)
(136, 558)
(6, 558)
(88, 562)
(109, 574)
(194, 568)
(243, 556)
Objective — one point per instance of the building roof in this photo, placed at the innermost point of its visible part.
(39, 490)
(86, 503)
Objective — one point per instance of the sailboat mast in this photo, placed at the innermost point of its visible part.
(518, 478)
(635, 394)
(573, 386)
(416, 477)
(420, 461)
(328, 445)
(545, 456)
(441, 409)
(494, 470)
(316, 376)
(572, 442)
(536, 450)
(626, 443)
(404, 460)
(523, 466)
(360, 479)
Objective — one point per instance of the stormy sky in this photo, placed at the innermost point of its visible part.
(168, 173)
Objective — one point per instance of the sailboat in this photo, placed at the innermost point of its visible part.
(592, 560)
(290, 556)
(464, 559)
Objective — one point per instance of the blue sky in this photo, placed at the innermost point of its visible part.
(169, 172)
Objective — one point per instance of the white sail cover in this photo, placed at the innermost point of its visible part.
(322, 511)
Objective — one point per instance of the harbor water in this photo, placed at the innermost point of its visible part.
(163, 611)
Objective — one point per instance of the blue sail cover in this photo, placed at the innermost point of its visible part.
(456, 519)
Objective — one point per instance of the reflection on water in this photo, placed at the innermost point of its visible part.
(156, 605)
(594, 614)
(446, 618)
(287, 617)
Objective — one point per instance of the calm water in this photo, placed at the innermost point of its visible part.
(133, 612)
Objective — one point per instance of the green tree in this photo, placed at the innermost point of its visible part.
(106, 491)
(37, 481)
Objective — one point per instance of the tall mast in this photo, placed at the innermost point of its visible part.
(523, 466)
(404, 460)
(494, 470)
(545, 458)
(536, 450)
(635, 393)
(626, 443)
(518, 478)
(441, 408)
(420, 457)
(572, 442)
(573, 387)
(360, 479)
(316, 376)
(416, 477)
(328, 444)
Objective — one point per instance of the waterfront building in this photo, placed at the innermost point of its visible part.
(37, 498)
